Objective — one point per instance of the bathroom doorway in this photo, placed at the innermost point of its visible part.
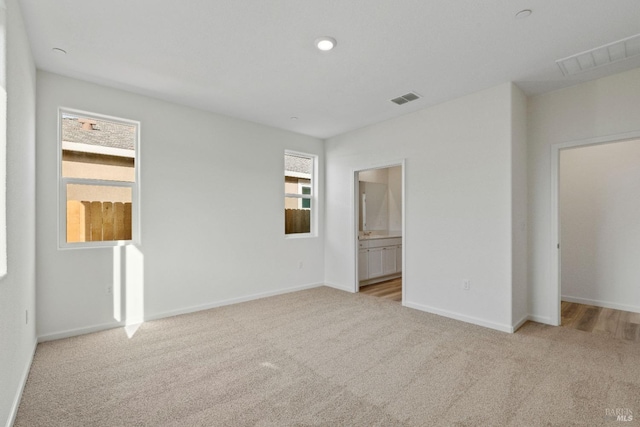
(379, 220)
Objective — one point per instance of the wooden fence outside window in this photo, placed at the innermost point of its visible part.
(297, 221)
(98, 221)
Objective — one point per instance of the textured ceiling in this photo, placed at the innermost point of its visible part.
(255, 59)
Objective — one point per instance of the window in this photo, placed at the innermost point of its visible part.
(299, 204)
(98, 180)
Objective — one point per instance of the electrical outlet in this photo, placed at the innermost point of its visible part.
(109, 290)
(466, 285)
(300, 265)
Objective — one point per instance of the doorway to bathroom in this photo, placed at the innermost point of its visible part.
(379, 217)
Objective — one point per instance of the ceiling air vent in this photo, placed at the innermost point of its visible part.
(603, 55)
(405, 98)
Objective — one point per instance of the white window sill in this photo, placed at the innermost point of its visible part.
(300, 235)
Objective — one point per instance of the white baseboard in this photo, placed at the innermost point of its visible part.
(23, 381)
(598, 303)
(79, 331)
(546, 320)
(339, 287)
(162, 315)
(519, 323)
(463, 317)
(533, 318)
(230, 301)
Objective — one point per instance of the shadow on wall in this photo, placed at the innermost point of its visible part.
(128, 287)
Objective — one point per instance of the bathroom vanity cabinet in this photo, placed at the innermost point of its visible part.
(379, 258)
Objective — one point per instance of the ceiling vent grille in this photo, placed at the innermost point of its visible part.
(405, 98)
(603, 55)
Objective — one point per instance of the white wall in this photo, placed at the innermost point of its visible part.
(600, 231)
(17, 288)
(519, 295)
(395, 199)
(608, 106)
(458, 204)
(211, 205)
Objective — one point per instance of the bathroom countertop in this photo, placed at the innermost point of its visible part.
(379, 236)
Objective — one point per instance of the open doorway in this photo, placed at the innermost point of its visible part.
(598, 235)
(379, 221)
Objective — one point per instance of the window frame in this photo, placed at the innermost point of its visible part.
(313, 229)
(63, 181)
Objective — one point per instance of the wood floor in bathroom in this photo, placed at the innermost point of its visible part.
(391, 289)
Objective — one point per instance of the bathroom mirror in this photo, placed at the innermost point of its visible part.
(374, 212)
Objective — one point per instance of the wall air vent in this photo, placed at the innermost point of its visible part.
(603, 55)
(405, 98)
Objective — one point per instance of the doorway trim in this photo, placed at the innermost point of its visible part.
(555, 243)
(355, 192)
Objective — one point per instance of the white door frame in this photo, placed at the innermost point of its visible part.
(355, 187)
(556, 245)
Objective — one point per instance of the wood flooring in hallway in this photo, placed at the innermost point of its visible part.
(619, 324)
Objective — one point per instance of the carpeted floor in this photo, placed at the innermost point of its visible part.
(326, 357)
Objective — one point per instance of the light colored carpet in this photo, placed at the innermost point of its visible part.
(326, 357)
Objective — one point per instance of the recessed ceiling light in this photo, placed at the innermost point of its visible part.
(525, 13)
(60, 51)
(326, 43)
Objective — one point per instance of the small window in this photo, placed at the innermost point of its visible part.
(299, 208)
(305, 203)
(98, 180)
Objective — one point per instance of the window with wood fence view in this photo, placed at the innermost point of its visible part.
(98, 178)
(298, 193)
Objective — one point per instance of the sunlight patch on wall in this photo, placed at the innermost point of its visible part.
(128, 287)
(134, 293)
